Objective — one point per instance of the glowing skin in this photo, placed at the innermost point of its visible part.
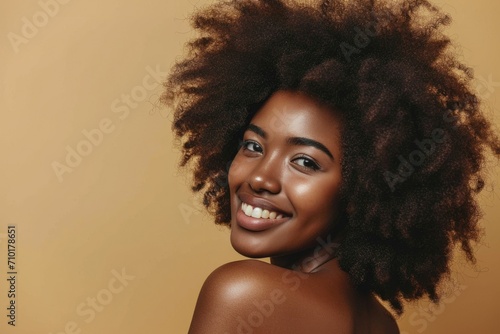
(289, 170)
(284, 185)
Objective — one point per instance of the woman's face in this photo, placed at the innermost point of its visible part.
(285, 179)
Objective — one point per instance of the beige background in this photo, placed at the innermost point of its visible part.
(124, 206)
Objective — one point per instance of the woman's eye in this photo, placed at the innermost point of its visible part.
(250, 145)
(307, 163)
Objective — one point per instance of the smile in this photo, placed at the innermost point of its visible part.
(256, 219)
(257, 212)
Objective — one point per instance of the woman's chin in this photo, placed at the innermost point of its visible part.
(247, 248)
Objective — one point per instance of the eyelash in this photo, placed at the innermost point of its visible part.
(245, 143)
(315, 166)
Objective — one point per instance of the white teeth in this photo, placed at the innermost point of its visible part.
(248, 210)
(259, 212)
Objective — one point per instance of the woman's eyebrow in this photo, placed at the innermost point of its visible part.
(257, 130)
(301, 141)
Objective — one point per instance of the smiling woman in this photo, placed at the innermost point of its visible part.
(311, 126)
(284, 182)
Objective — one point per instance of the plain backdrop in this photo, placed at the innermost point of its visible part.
(109, 238)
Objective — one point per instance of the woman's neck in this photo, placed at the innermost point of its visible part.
(311, 259)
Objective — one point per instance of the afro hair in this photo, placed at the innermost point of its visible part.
(415, 139)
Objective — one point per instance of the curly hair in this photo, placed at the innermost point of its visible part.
(414, 140)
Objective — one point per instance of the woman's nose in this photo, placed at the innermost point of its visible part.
(266, 176)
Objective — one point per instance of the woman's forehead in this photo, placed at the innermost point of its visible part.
(290, 110)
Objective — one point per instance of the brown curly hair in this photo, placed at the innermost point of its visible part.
(414, 139)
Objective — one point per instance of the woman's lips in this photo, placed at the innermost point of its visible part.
(244, 198)
(258, 212)
(257, 224)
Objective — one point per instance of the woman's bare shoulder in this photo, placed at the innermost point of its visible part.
(253, 296)
(236, 282)
(245, 267)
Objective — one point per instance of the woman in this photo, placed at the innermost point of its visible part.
(341, 139)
